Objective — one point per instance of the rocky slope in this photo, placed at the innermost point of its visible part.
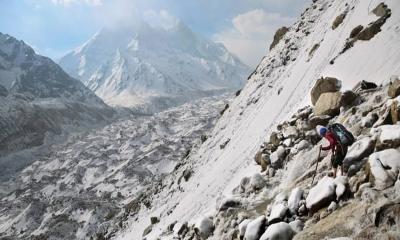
(152, 68)
(278, 87)
(81, 188)
(38, 100)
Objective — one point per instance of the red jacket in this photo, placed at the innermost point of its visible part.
(332, 142)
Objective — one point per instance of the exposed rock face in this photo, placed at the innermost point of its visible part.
(278, 36)
(338, 20)
(385, 167)
(324, 85)
(394, 88)
(328, 104)
(375, 27)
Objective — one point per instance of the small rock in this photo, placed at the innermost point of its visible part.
(348, 98)
(229, 203)
(154, 220)
(205, 227)
(181, 228)
(257, 182)
(319, 120)
(332, 207)
(294, 200)
(297, 225)
(278, 157)
(338, 20)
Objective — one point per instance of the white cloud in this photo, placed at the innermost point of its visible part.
(70, 2)
(251, 33)
(161, 19)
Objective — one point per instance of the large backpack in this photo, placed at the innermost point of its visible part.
(344, 136)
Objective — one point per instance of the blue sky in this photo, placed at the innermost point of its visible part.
(54, 27)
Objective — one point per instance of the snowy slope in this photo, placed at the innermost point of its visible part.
(80, 188)
(279, 86)
(154, 68)
(38, 99)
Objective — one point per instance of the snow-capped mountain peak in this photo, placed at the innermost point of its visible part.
(142, 65)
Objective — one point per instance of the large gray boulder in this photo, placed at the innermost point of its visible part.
(384, 167)
(278, 231)
(324, 85)
(358, 151)
(328, 104)
(255, 228)
(278, 213)
(321, 194)
(388, 136)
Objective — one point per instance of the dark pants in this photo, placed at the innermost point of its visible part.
(338, 157)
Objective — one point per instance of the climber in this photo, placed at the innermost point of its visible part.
(339, 150)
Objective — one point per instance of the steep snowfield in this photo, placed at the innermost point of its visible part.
(80, 188)
(279, 85)
(152, 68)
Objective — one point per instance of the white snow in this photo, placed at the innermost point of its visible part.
(378, 161)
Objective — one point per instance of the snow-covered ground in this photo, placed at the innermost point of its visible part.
(279, 86)
(83, 183)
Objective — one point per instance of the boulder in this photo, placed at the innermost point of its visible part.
(394, 88)
(341, 185)
(290, 132)
(303, 144)
(205, 227)
(294, 200)
(380, 10)
(321, 195)
(328, 104)
(332, 207)
(348, 98)
(338, 20)
(388, 136)
(369, 120)
(358, 151)
(274, 139)
(243, 226)
(278, 157)
(229, 203)
(278, 231)
(154, 220)
(323, 120)
(384, 167)
(278, 213)
(324, 85)
(255, 228)
(395, 111)
(297, 225)
(257, 182)
(278, 36)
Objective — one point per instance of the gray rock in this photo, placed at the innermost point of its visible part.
(328, 104)
(338, 20)
(394, 88)
(294, 200)
(278, 213)
(324, 85)
(255, 228)
(297, 225)
(205, 227)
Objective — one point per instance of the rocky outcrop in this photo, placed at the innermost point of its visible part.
(394, 88)
(278, 36)
(338, 20)
(324, 85)
(328, 104)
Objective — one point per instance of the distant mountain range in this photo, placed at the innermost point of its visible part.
(38, 99)
(154, 68)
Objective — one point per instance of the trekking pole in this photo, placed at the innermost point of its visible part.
(316, 167)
